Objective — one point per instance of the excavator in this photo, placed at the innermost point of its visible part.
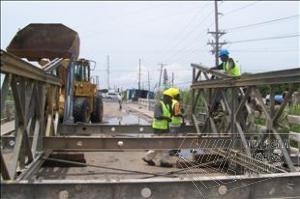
(55, 47)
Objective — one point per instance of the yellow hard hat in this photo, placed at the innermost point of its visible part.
(168, 92)
(172, 92)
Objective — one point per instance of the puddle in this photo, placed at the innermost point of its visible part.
(125, 120)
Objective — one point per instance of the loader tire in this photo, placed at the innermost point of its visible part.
(81, 110)
(97, 114)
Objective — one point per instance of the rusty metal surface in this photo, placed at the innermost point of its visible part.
(10, 64)
(37, 41)
(225, 187)
(266, 78)
(93, 143)
(89, 129)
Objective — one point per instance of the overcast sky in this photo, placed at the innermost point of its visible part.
(173, 33)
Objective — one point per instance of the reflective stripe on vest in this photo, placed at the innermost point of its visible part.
(235, 71)
(162, 124)
(175, 120)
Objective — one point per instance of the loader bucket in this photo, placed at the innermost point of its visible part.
(37, 41)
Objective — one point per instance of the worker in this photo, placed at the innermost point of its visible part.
(177, 117)
(230, 67)
(281, 125)
(228, 64)
(176, 110)
(120, 101)
(160, 125)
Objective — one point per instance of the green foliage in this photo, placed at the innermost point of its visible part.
(294, 144)
(260, 121)
(187, 101)
(186, 97)
(294, 109)
(295, 128)
(278, 90)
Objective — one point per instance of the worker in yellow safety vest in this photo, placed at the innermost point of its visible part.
(162, 113)
(228, 64)
(177, 117)
(230, 67)
(160, 125)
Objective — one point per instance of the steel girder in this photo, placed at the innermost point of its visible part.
(93, 143)
(11, 64)
(286, 185)
(238, 98)
(88, 129)
(35, 94)
(267, 78)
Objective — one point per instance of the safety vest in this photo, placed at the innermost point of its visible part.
(176, 121)
(162, 124)
(235, 71)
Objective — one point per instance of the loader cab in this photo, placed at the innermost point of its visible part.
(82, 70)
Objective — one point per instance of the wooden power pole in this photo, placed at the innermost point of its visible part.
(108, 72)
(216, 44)
(139, 82)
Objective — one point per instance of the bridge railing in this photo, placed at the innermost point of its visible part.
(35, 94)
(229, 103)
(149, 103)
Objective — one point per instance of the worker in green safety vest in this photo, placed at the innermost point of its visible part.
(228, 64)
(177, 117)
(162, 113)
(230, 67)
(160, 125)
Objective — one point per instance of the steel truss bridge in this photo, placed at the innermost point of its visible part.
(38, 133)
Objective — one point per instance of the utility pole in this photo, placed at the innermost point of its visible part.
(139, 82)
(173, 79)
(148, 93)
(108, 72)
(160, 73)
(216, 45)
(148, 82)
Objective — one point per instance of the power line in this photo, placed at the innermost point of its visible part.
(261, 23)
(144, 20)
(240, 8)
(181, 33)
(167, 58)
(264, 50)
(266, 38)
(192, 19)
(187, 34)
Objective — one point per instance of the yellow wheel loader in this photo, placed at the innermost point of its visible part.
(56, 48)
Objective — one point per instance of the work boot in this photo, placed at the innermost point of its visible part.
(164, 163)
(150, 162)
(174, 152)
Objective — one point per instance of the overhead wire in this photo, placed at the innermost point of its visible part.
(266, 38)
(184, 34)
(193, 18)
(263, 23)
(240, 8)
(144, 20)
(195, 38)
(264, 50)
